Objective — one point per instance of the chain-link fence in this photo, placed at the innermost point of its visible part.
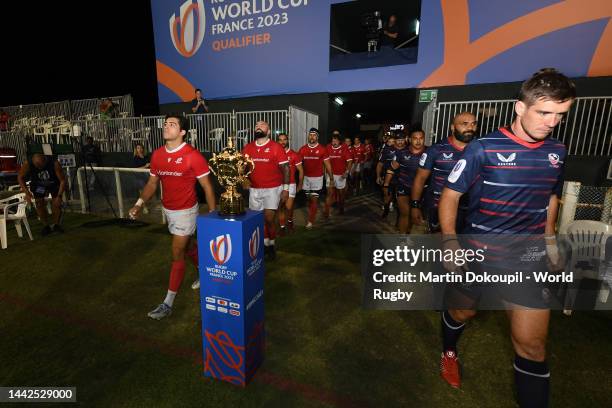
(581, 202)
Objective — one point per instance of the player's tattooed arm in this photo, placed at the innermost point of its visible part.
(285, 169)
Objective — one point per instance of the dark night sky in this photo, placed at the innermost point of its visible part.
(78, 50)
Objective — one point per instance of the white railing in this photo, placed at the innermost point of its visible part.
(586, 130)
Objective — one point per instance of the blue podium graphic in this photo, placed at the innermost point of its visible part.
(231, 295)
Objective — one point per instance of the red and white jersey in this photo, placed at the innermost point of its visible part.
(267, 157)
(312, 159)
(178, 170)
(359, 153)
(294, 160)
(369, 152)
(339, 158)
(350, 150)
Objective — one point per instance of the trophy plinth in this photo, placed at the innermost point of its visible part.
(231, 168)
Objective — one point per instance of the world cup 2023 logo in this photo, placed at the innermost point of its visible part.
(187, 29)
(221, 249)
(254, 244)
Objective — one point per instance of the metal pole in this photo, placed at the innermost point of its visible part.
(119, 193)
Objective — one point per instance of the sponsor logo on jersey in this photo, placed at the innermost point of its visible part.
(447, 156)
(506, 161)
(179, 160)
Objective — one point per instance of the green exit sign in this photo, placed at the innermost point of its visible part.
(427, 95)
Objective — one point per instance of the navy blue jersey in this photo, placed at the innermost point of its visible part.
(386, 156)
(408, 164)
(509, 181)
(440, 159)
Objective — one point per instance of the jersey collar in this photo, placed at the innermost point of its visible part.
(515, 138)
(451, 140)
(177, 149)
(313, 146)
(262, 145)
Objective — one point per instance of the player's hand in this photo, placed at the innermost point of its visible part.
(556, 260)
(135, 212)
(344, 175)
(284, 196)
(298, 188)
(453, 245)
(417, 216)
(379, 181)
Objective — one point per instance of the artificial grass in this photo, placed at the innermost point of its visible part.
(73, 313)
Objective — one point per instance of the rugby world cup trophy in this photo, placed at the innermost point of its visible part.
(231, 168)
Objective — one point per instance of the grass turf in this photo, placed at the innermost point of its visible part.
(73, 313)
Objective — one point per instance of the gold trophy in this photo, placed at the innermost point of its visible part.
(231, 168)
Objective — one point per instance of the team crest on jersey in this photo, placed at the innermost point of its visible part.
(267, 150)
(179, 160)
(506, 161)
(221, 248)
(553, 158)
(447, 156)
(169, 159)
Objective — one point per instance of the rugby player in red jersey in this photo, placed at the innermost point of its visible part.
(285, 212)
(341, 160)
(359, 156)
(314, 159)
(269, 181)
(178, 166)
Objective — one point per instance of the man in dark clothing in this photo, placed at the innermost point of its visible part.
(390, 32)
(198, 104)
(46, 178)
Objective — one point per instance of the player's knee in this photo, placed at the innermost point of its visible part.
(462, 315)
(530, 347)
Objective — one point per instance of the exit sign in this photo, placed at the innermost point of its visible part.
(427, 95)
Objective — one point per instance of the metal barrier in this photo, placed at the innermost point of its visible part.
(300, 122)
(245, 124)
(586, 129)
(208, 132)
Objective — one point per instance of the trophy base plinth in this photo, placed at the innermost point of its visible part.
(231, 204)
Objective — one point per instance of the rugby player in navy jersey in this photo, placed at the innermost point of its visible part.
(403, 168)
(516, 176)
(437, 162)
(385, 158)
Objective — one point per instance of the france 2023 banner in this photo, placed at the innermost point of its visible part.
(239, 48)
(231, 294)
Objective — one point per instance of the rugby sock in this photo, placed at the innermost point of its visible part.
(451, 330)
(193, 255)
(169, 300)
(532, 380)
(177, 272)
(266, 241)
(272, 233)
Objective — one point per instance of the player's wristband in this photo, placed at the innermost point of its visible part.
(285, 187)
(415, 204)
(139, 202)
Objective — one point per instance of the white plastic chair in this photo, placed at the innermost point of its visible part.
(216, 138)
(242, 138)
(588, 242)
(18, 217)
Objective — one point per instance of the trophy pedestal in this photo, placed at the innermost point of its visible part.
(231, 295)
